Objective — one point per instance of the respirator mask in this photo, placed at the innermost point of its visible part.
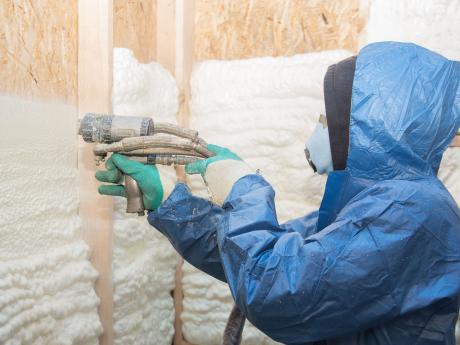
(318, 148)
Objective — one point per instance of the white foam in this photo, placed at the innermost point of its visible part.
(264, 109)
(143, 89)
(46, 281)
(143, 260)
(434, 24)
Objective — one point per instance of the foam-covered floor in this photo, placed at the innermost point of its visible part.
(144, 262)
(46, 281)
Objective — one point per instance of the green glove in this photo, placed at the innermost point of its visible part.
(221, 153)
(146, 176)
(220, 172)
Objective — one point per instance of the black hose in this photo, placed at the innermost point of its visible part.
(234, 327)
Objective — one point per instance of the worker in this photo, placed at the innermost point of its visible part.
(379, 262)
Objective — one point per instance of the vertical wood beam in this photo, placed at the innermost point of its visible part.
(456, 141)
(175, 51)
(175, 46)
(95, 49)
(185, 43)
(166, 34)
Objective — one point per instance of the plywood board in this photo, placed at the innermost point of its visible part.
(38, 49)
(134, 25)
(231, 29)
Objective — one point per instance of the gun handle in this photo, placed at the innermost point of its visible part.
(134, 196)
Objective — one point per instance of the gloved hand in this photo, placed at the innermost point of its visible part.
(146, 176)
(220, 172)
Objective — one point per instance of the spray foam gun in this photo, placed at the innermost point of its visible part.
(152, 143)
(142, 140)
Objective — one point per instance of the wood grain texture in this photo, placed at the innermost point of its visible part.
(233, 29)
(456, 141)
(134, 27)
(166, 34)
(38, 49)
(95, 65)
(178, 295)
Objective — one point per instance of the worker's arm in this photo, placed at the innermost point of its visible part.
(356, 273)
(190, 223)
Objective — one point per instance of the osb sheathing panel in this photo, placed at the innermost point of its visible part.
(229, 29)
(38, 48)
(134, 27)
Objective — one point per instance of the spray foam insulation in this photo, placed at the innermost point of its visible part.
(432, 24)
(46, 280)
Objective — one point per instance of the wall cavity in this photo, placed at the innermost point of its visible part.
(46, 281)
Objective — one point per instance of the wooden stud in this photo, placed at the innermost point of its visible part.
(95, 49)
(166, 34)
(175, 46)
(456, 141)
(185, 23)
(178, 295)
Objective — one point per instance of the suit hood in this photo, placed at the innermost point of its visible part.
(405, 110)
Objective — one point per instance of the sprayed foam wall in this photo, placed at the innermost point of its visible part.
(434, 24)
(143, 260)
(46, 281)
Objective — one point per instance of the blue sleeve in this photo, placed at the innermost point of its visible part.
(305, 225)
(354, 274)
(190, 223)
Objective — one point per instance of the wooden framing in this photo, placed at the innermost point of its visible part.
(134, 27)
(456, 141)
(175, 45)
(175, 51)
(95, 49)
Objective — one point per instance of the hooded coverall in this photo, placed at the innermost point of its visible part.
(379, 263)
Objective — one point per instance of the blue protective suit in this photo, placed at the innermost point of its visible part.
(379, 263)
